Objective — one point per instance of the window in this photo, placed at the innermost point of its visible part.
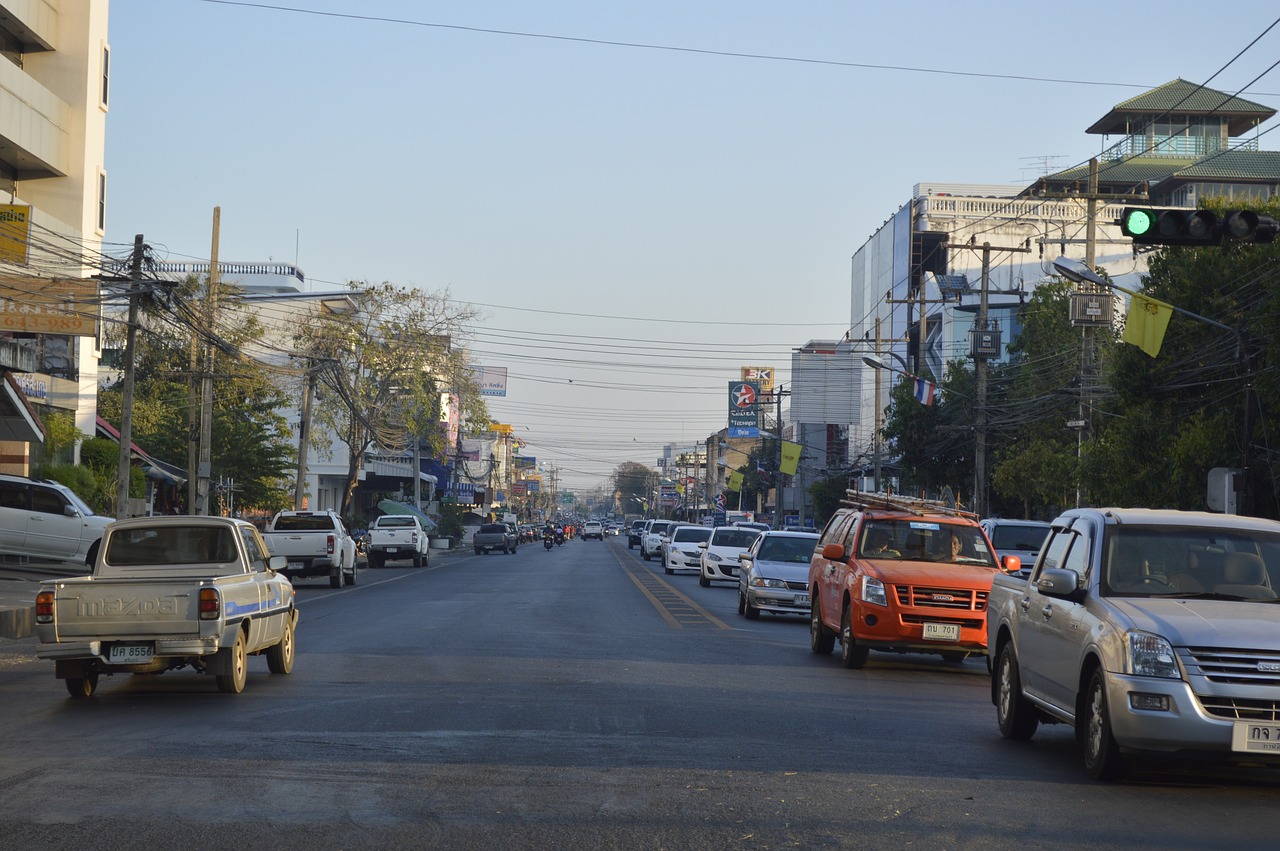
(101, 223)
(47, 501)
(106, 75)
(13, 496)
(257, 559)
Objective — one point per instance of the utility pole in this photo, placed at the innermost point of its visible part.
(126, 394)
(980, 349)
(304, 437)
(206, 380)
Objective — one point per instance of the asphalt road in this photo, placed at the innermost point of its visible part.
(577, 698)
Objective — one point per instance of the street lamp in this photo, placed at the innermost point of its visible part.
(877, 363)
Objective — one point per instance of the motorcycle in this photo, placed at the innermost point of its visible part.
(559, 537)
(546, 542)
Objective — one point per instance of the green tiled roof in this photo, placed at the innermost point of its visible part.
(1234, 165)
(1180, 97)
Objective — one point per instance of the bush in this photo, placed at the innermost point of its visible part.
(87, 484)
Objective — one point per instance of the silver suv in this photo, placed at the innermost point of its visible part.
(46, 520)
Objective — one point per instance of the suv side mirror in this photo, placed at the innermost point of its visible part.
(833, 552)
(1011, 564)
(70, 510)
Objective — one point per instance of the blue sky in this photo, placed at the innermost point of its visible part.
(698, 209)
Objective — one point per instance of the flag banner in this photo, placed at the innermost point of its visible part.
(1145, 324)
(790, 458)
(925, 391)
(734, 481)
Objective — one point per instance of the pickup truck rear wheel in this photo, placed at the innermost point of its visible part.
(349, 576)
(82, 688)
(280, 657)
(821, 641)
(1102, 759)
(1016, 717)
(233, 683)
(417, 559)
(335, 576)
(852, 655)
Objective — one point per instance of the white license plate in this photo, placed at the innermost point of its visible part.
(802, 599)
(942, 631)
(1255, 737)
(294, 565)
(392, 549)
(130, 654)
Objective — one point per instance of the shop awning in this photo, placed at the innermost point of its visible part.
(18, 420)
(390, 506)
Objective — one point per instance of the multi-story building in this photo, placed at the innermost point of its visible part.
(917, 281)
(54, 95)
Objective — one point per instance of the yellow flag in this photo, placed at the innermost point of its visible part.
(1145, 324)
(790, 457)
(734, 482)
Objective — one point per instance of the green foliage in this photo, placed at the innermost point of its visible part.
(60, 435)
(89, 486)
(826, 494)
(634, 483)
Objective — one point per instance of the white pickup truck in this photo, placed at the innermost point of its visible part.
(398, 536)
(314, 543)
(167, 593)
(1152, 632)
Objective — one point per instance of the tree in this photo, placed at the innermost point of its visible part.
(251, 440)
(634, 483)
(385, 365)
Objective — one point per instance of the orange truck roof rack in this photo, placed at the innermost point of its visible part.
(897, 502)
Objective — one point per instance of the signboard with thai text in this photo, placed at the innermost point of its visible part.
(44, 306)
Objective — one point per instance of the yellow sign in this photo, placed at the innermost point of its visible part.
(15, 230)
(790, 457)
(45, 306)
(500, 428)
(762, 375)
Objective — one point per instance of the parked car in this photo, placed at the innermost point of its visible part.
(398, 536)
(682, 551)
(46, 520)
(1151, 632)
(654, 538)
(1021, 538)
(592, 529)
(900, 575)
(773, 575)
(720, 553)
(314, 543)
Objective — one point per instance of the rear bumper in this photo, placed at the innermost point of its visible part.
(96, 650)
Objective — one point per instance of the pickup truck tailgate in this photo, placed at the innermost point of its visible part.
(103, 608)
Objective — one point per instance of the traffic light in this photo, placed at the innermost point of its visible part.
(1169, 226)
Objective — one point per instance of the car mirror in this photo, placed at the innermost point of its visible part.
(70, 511)
(1011, 564)
(277, 563)
(702, 545)
(745, 558)
(833, 552)
(1058, 582)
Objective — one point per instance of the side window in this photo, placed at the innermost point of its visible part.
(1078, 556)
(834, 532)
(13, 495)
(47, 501)
(848, 537)
(257, 559)
(1055, 550)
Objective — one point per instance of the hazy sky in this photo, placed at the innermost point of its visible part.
(642, 197)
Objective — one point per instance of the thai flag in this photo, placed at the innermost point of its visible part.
(925, 391)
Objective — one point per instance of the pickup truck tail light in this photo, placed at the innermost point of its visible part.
(413, 538)
(44, 607)
(329, 545)
(210, 604)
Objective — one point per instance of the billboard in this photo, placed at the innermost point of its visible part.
(492, 380)
(761, 375)
(15, 230)
(44, 306)
(744, 409)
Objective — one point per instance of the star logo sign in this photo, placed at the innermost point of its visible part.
(744, 396)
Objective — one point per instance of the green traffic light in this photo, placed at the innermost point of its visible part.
(1138, 222)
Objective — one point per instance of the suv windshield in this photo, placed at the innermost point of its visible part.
(925, 540)
(1186, 561)
(1006, 536)
(660, 528)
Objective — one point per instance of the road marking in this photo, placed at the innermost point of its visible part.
(676, 609)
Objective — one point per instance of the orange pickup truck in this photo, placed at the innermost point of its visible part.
(902, 575)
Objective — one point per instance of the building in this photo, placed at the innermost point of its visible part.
(54, 97)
